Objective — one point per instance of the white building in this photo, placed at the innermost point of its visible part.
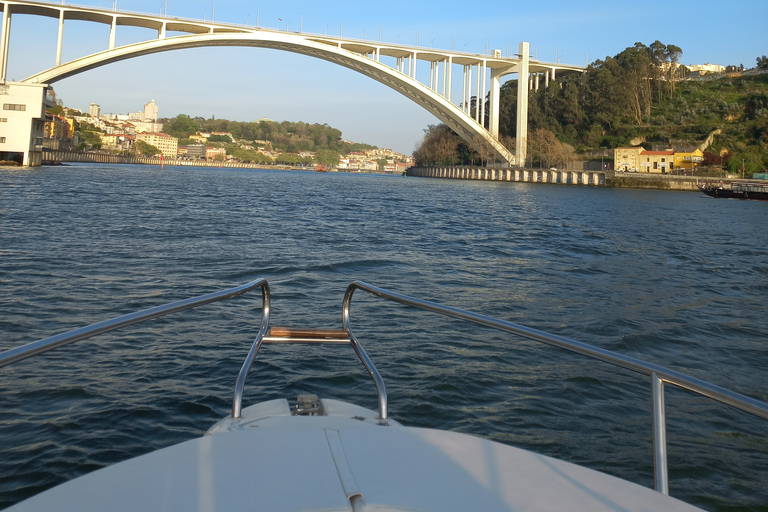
(165, 143)
(706, 68)
(94, 110)
(22, 121)
(144, 127)
(150, 112)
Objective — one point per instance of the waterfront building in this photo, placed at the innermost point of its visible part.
(688, 159)
(627, 159)
(213, 153)
(22, 121)
(193, 151)
(57, 127)
(656, 161)
(169, 146)
(637, 159)
(118, 141)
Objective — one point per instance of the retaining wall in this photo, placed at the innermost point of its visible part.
(588, 178)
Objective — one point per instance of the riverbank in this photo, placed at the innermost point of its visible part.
(586, 178)
(58, 157)
(607, 178)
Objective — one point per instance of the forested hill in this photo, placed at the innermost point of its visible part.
(641, 94)
(290, 137)
(636, 95)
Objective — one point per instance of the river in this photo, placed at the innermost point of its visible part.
(674, 278)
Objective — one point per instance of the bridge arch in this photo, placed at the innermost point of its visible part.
(442, 108)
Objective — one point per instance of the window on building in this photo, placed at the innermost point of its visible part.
(2, 140)
(3, 119)
(14, 106)
(655, 165)
(663, 159)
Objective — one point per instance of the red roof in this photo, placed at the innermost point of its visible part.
(657, 152)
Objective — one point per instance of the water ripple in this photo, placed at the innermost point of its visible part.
(655, 275)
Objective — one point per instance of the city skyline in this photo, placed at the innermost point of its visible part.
(246, 84)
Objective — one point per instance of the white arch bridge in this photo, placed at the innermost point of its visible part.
(480, 74)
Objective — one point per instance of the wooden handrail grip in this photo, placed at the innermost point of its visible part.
(288, 332)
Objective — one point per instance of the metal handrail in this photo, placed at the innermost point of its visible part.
(659, 375)
(59, 340)
(314, 337)
(237, 397)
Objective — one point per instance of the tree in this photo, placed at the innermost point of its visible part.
(146, 149)
(90, 137)
(327, 157)
(762, 62)
(546, 150)
(748, 161)
(440, 146)
(673, 56)
(182, 126)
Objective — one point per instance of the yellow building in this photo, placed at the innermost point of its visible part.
(657, 161)
(168, 145)
(57, 127)
(688, 160)
(627, 159)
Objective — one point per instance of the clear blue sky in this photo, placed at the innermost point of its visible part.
(246, 84)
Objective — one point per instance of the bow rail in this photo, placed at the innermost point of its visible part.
(659, 375)
(282, 335)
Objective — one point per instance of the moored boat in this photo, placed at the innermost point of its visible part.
(324, 454)
(736, 190)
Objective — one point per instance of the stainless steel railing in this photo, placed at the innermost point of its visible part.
(38, 347)
(659, 375)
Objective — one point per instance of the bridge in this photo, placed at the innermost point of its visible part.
(393, 65)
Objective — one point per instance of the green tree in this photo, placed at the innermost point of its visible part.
(327, 157)
(90, 137)
(182, 126)
(146, 149)
(749, 160)
(762, 62)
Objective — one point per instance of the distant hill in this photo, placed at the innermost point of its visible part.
(638, 96)
(635, 96)
(287, 136)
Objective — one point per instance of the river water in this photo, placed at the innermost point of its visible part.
(674, 278)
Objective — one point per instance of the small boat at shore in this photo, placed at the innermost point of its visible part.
(328, 455)
(736, 190)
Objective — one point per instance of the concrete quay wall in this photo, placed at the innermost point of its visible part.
(586, 178)
(574, 177)
(654, 181)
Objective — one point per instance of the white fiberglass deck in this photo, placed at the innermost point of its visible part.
(343, 461)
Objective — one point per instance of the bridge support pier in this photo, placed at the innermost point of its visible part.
(61, 38)
(521, 148)
(4, 42)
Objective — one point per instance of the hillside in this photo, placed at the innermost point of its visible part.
(636, 96)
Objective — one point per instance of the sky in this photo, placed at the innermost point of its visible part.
(247, 84)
